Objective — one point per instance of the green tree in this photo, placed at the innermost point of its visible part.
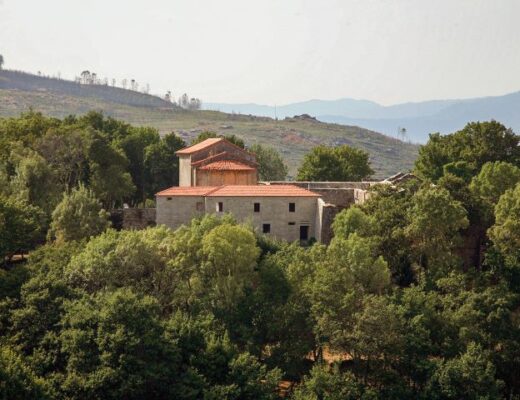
(470, 376)
(17, 380)
(352, 220)
(343, 163)
(114, 347)
(162, 164)
(34, 180)
(348, 271)
(209, 135)
(66, 152)
(434, 222)
(476, 144)
(505, 234)
(108, 177)
(21, 226)
(492, 182)
(330, 384)
(230, 256)
(388, 207)
(78, 216)
(134, 259)
(271, 166)
(134, 146)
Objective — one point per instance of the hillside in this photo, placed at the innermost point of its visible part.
(293, 137)
(28, 82)
(419, 119)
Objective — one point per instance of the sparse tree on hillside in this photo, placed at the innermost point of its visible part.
(124, 82)
(194, 104)
(184, 101)
(168, 96)
(113, 82)
(85, 77)
(1, 61)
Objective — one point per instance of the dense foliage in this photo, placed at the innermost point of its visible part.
(342, 163)
(271, 166)
(416, 296)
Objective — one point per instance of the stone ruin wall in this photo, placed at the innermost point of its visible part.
(132, 218)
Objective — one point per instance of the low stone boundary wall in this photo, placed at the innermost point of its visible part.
(132, 218)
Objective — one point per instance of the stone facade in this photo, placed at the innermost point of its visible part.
(274, 212)
(286, 212)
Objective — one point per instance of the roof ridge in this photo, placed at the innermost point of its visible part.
(211, 142)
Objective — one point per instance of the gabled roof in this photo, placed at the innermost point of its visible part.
(199, 146)
(226, 165)
(239, 191)
(187, 191)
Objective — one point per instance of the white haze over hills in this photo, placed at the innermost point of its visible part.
(419, 119)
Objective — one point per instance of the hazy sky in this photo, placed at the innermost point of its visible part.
(274, 51)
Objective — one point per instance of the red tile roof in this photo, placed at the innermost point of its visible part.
(262, 191)
(239, 191)
(199, 146)
(227, 165)
(187, 191)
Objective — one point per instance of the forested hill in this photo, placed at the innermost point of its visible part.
(292, 137)
(29, 82)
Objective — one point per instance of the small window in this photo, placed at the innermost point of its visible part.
(168, 198)
(292, 223)
(199, 206)
(292, 207)
(220, 206)
(266, 228)
(256, 207)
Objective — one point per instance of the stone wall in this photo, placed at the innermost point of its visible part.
(132, 218)
(338, 197)
(328, 213)
(325, 185)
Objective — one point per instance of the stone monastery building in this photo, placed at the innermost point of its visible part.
(216, 176)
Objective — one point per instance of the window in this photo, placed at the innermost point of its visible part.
(292, 207)
(199, 206)
(266, 228)
(220, 206)
(168, 198)
(291, 223)
(256, 207)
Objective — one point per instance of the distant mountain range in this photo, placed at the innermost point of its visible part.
(418, 119)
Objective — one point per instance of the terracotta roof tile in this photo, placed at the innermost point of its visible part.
(262, 191)
(227, 165)
(187, 191)
(239, 191)
(199, 146)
